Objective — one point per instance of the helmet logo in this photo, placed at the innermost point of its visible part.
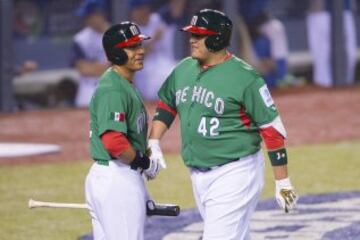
(134, 30)
(194, 20)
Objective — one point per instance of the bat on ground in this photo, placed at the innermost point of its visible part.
(152, 208)
(36, 204)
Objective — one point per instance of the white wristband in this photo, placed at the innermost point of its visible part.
(283, 183)
(153, 141)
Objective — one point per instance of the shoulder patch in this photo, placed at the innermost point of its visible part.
(266, 96)
(117, 116)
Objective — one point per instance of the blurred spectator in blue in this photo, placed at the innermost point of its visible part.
(268, 39)
(159, 56)
(197, 5)
(319, 38)
(173, 14)
(88, 55)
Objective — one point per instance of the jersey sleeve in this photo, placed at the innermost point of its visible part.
(166, 109)
(115, 143)
(167, 91)
(261, 108)
(112, 111)
(258, 103)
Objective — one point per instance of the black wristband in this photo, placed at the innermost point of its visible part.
(278, 157)
(164, 116)
(140, 161)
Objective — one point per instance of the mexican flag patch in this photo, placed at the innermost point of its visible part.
(117, 116)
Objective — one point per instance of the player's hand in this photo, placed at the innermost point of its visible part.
(285, 194)
(153, 169)
(155, 152)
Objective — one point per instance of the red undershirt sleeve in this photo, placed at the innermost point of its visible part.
(275, 144)
(115, 143)
(272, 138)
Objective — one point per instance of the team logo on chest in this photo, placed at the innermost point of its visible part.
(202, 96)
(141, 122)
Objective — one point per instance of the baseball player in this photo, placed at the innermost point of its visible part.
(224, 108)
(115, 190)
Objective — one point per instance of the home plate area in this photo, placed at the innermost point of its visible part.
(326, 217)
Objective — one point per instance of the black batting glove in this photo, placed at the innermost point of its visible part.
(140, 161)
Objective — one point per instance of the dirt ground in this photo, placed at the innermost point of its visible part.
(310, 115)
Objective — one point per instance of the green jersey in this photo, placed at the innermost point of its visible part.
(220, 110)
(116, 105)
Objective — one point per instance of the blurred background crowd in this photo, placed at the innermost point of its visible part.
(58, 56)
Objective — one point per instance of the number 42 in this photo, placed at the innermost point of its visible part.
(213, 123)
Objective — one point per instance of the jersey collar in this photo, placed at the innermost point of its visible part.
(206, 67)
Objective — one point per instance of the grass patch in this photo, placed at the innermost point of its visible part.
(50, 182)
(313, 169)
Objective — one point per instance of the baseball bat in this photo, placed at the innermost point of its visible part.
(152, 208)
(169, 210)
(35, 204)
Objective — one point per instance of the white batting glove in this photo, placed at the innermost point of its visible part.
(156, 153)
(153, 169)
(285, 194)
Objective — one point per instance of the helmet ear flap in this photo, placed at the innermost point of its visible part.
(214, 43)
(218, 42)
(119, 56)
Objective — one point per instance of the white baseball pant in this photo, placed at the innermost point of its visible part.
(116, 196)
(227, 196)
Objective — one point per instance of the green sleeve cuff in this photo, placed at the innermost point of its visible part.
(278, 157)
(164, 116)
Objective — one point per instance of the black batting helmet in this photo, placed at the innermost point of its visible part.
(118, 37)
(214, 24)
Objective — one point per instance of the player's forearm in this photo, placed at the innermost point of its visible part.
(128, 155)
(158, 129)
(87, 68)
(118, 146)
(165, 114)
(280, 172)
(274, 135)
(135, 159)
(163, 118)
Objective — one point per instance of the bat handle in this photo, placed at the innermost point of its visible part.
(31, 203)
(161, 209)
